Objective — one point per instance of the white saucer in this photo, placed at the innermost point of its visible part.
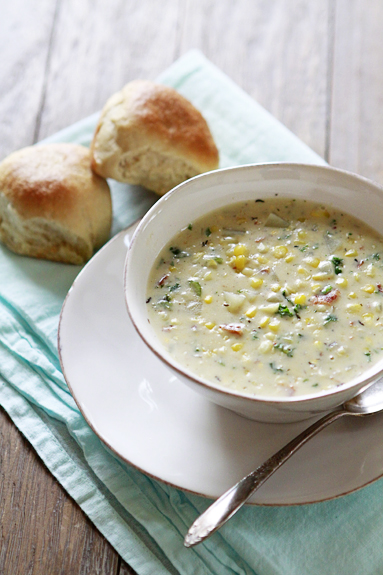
(156, 423)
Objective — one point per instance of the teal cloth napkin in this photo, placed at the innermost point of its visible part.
(143, 519)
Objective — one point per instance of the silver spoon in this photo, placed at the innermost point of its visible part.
(369, 400)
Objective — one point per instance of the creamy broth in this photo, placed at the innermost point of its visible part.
(272, 297)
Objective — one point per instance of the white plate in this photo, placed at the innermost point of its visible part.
(156, 423)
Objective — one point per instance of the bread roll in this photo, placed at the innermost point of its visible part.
(149, 134)
(52, 205)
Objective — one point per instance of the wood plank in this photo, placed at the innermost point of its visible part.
(356, 138)
(97, 48)
(24, 45)
(276, 51)
(42, 529)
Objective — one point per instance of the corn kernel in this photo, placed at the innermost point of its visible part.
(356, 276)
(304, 272)
(264, 321)
(270, 308)
(302, 234)
(262, 260)
(212, 264)
(240, 262)
(210, 325)
(320, 213)
(300, 299)
(256, 282)
(172, 268)
(313, 262)
(321, 276)
(367, 317)
(370, 271)
(289, 258)
(208, 276)
(351, 253)
(318, 344)
(208, 299)
(240, 250)
(368, 288)
(274, 325)
(352, 295)
(247, 272)
(251, 312)
(262, 248)
(214, 228)
(315, 288)
(280, 251)
(265, 346)
(275, 288)
(237, 346)
(342, 282)
(341, 350)
(354, 307)
(269, 335)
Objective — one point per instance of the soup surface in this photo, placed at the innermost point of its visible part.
(274, 297)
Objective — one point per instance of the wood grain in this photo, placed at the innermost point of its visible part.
(42, 529)
(97, 48)
(316, 65)
(276, 51)
(356, 134)
(24, 46)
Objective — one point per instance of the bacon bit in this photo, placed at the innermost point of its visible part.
(265, 270)
(236, 328)
(163, 279)
(260, 240)
(326, 299)
(379, 286)
(360, 263)
(168, 328)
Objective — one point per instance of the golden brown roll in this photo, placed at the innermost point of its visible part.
(149, 134)
(52, 205)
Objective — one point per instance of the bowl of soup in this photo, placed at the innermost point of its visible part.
(261, 287)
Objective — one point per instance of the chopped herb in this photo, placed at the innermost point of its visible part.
(315, 385)
(196, 287)
(162, 261)
(173, 288)
(208, 232)
(333, 222)
(275, 369)
(326, 290)
(283, 310)
(303, 248)
(349, 234)
(376, 257)
(284, 349)
(338, 264)
(368, 354)
(165, 302)
(255, 336)
(330, 318)
(218, 260)
(262, 201)
(178, 253)
(190, 226)
(197, 349)
(305, 379)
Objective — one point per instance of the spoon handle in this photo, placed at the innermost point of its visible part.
(228, 504)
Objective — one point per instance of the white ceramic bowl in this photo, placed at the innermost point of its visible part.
(202, 194)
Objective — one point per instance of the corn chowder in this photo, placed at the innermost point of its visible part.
(271, 297)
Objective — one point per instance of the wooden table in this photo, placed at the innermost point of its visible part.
(317, 66)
